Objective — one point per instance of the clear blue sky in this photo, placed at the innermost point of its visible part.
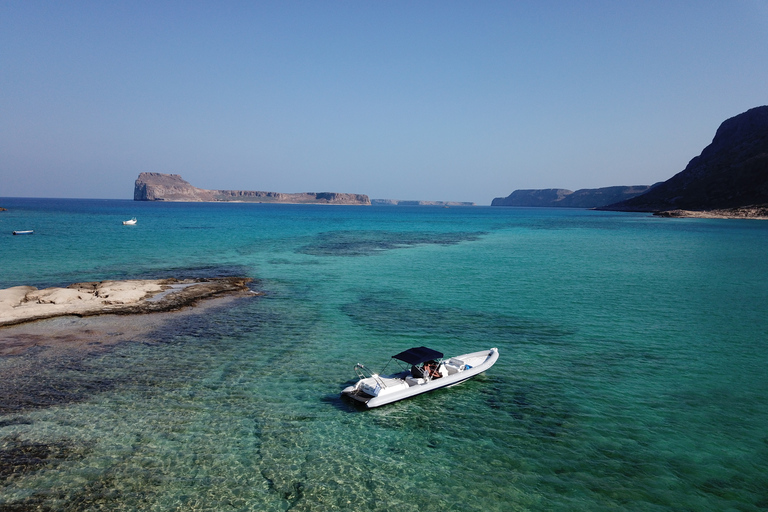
(437, 100)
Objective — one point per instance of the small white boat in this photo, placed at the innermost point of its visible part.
(428, 371)
(24, 232)
(129, 222)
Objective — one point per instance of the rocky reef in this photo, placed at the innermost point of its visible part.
(21, 304)
(154, 186)
(731, 172)
(558, 197)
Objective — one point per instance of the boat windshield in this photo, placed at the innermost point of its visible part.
(418, 355)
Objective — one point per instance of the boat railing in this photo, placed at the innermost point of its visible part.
(361, 370)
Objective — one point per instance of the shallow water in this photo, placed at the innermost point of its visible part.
(632, 372)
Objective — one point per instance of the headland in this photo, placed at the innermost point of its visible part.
(729, 179)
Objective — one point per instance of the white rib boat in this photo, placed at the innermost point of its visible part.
(129, 222)
(428, 371)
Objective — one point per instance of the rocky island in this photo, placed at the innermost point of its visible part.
(155, 186)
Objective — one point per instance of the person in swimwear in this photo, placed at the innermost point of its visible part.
(430, 368)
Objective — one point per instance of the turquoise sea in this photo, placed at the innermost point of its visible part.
(633, 372)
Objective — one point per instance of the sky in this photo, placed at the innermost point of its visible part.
(428, 100)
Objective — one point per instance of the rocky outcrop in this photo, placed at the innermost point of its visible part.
(731, 172)
(21, 304)
(154, 186)
(402, 202)
(558, 197)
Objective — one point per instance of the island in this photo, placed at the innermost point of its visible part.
(20, 304)
(155, 186)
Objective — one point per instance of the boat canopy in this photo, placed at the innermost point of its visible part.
(418, 355)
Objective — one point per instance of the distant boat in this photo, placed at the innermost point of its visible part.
(24, 232)
(129, 222)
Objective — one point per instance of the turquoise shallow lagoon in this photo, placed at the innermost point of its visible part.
(633, 372)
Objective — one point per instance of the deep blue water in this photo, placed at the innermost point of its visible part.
(632, 373)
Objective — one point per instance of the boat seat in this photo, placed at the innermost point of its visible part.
(417, 372)
(412, 381)
(451, 369)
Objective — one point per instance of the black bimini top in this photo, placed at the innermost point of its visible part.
(418, 355)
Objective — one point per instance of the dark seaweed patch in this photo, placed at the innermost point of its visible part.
(368, 243)
(14, 421)
(34, 503)
(538, 411)
(398, 317)
(283, 261)
(65, 380)
(20, 457)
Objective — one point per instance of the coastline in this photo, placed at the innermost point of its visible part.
(743, 212)
(22, 304)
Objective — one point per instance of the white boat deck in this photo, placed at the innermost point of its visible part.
(382, 389)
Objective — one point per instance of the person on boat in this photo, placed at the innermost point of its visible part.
(430, 368)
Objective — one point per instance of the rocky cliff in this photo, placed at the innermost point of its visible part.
(558, 197)
(155, 186)
(730, 172)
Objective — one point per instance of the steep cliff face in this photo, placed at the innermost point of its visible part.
(154, 186)
(731, 172)
(558, 197)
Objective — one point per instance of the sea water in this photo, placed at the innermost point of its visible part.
(632, 371)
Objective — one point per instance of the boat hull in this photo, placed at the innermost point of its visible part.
(479, 362)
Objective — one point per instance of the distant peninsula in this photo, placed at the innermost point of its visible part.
(404, 202)
(558, 197)
(155, 186)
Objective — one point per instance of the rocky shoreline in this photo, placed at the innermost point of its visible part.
(744, 212)
(21, 304)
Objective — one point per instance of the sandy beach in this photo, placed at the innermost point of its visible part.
(21, 304)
